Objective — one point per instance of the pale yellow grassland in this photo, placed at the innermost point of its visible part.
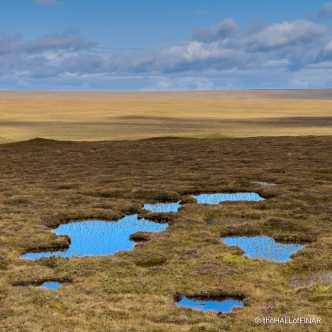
(113, 116)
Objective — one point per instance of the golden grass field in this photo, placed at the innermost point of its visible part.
(96, 116)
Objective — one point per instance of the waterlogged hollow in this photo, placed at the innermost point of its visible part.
(217, 198)
(99, 237)
(45, 284)
(263, 247)
(225, 305)
(162, 207)
(51, 284)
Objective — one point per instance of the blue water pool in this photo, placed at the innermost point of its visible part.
(100, 237)
(51, 284)
(263, 247)
(217, 198)
(162, 207)
(225, 305)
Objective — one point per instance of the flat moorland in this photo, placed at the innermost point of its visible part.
(94, 116)
(44, 183)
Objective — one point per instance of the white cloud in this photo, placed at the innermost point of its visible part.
(68, 40)
(326, 11)
(222, 56)
(216, 32)
(287, 33)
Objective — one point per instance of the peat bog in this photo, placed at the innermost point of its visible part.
(47, 184)
(102, 237)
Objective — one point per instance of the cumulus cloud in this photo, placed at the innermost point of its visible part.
(326, 11)
(224, 55)
(70, 40)
(216, 32)
(42, 56)
(287, 34)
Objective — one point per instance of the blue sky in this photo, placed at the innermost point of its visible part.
(165, 45)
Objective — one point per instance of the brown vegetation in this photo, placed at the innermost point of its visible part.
(44, 183)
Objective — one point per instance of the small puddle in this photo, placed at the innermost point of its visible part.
(225, 305)
(51, 284)
(217, 198)
(263, 247)
(45, 284)
(99, 237)
(162, 207)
